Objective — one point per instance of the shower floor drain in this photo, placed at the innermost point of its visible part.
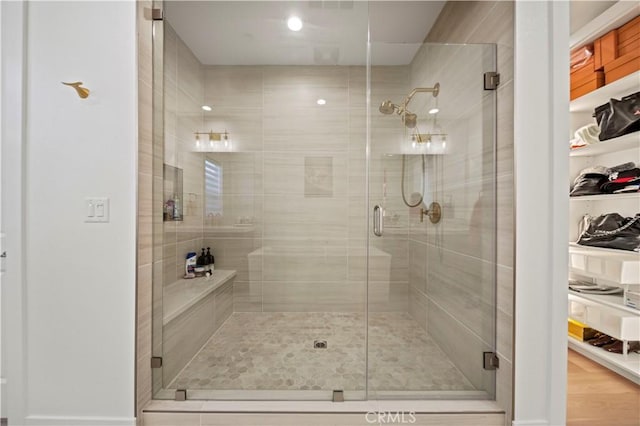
(320, 344)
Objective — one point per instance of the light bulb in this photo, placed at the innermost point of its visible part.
(294, 23)
(198, 140)
(434, 111)
(321, 102)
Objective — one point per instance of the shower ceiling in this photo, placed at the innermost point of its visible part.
(334, 32)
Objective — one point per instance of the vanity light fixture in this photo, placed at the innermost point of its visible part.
(213, 137)
(294, 23)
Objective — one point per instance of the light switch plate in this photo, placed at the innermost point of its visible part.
(96, 209)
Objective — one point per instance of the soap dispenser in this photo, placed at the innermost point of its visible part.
(202, 259)
(209, 260)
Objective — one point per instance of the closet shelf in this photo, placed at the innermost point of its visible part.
(613, 321)
(630, 141)
(627, 366)
(617, 266)
(622, 87)
(615, 301)
(612, 18)
(602, 197)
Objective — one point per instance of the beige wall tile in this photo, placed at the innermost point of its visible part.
(504, 280)
(324, 129)
(247, 296)
(388, 296)
(223, 304)
(293, 173)
(312, 296)
(418, 266)
(504, 341)
(467, 16)
(301, 218)
(145, 127)
(497, 27)
(233, 254)
(461, 345)
(418, 307)
(505, 129)
(464, 287)
(244, 125)
(233, 86)
(145, 225)
(190, 77)
(505, 235)
(185, 335)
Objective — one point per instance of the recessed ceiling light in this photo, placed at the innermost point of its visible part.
(434, 111)
(294, 23)
(321, 102)
(206, 107)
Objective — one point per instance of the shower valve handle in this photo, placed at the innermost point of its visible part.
(434, 212)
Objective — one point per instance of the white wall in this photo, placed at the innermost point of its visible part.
(3, 378)
(542, 209)
(12, 88)
(80, 277)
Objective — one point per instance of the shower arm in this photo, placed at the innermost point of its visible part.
(435, 90)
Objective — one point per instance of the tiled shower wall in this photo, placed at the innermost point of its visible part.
(295, 220)
(183, 98)
(456, 320)
(294, 217)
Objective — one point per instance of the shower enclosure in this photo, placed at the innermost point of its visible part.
(345, 186)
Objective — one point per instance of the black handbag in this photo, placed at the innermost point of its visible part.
(618, 117)
(611, 231)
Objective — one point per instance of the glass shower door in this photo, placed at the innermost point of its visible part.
(262, 140)
(431, 203)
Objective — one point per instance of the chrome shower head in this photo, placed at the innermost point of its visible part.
(387, 107)
(409, 119)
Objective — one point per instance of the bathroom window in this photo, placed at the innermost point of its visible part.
(212, 188)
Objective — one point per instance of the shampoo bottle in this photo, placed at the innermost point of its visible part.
(177, 208)
(190, 265)
(202, 259)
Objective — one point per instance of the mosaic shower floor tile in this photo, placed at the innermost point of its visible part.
(275, 351)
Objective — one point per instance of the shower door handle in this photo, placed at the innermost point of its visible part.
(377, 221)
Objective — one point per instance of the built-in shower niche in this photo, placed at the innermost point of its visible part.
(173, 199)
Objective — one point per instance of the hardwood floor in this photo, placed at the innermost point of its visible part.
(597, 396)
